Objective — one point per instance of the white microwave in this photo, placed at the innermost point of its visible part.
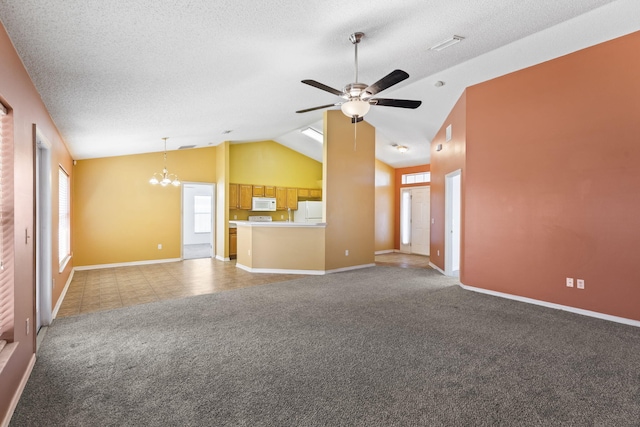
(263, 204)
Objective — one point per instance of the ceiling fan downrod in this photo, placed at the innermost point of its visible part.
(355, 39)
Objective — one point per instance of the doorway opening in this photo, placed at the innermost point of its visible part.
(452, 225)
(44, 280)
(198, 208)
(415, 218)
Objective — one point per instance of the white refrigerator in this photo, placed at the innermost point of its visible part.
(308, 212)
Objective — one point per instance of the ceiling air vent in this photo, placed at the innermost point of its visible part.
(184, 147)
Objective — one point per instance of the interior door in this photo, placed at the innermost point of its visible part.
(453, 225)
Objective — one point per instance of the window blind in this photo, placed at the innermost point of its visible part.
(6, 226)
(64, 223)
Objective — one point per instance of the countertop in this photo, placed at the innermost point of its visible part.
(234, 222)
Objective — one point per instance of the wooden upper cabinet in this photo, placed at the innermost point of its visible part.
(246, 192)
(315, 193)
(233, 196)
(281, 198)
(258, 191)
(303, 193)
(292, 198)
(269, 191)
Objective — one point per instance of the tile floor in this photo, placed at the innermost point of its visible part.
(109, 288)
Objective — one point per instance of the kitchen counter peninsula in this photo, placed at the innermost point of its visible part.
(280, 247)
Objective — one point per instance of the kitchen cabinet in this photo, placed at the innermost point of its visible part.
(281, 199)
(315, 194)
(303, 193)
(258, 191)
(233, 242)
(292, 198)
(269, 191)
(233, 196)
(244, 198)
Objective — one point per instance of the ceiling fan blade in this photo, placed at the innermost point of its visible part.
(394, 77)
(402, 103)
(356, 120)
(322, 86)
(316, 108)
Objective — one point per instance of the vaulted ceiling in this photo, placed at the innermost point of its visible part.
(116, 77)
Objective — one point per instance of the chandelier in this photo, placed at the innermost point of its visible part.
(165, 178)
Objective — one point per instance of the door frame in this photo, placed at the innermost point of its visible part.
(452, 227)
(213, 215)
(43, 229)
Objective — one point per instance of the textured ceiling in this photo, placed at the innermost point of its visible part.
(118, 76)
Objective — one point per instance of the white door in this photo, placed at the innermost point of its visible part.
(197, 220)
(415, 220)
(452, 225)
(420, 218)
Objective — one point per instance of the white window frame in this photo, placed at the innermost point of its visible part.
(199, 212)
(416, 178)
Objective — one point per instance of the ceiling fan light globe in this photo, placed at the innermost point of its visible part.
(355, 108)
(175, 183)
(153, 181)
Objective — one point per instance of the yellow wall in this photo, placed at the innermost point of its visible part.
(348, 192)
(270, 163)
(384, 205)
(120, 217)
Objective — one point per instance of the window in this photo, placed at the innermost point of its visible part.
(202, 214)
(416, 178)
(6, 228)
(64, 219)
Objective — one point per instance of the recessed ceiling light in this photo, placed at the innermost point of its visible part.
(439, 83)
(313, 133)
(447, 43)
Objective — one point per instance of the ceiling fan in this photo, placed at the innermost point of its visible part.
(358, 97)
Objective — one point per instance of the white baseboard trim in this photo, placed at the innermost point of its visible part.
(570, 309)
(435, 267)
(353, 267)
(126, 264)
(221, 258)
(279, 270)
(16, 397)
(386, 251)
(63, 294)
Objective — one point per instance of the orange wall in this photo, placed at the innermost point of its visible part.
(398, 185)
(552, 182)
(449, 159)
(18, 92)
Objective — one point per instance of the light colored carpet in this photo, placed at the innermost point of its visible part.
(381, 346)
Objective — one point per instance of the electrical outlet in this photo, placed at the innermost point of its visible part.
(433, 220)
(281, 216)
(235, 217)
(159, 246)
(27, 324)
(249, 252)
(346, 253)
(580, 284)
(569, 282)
(438, 252)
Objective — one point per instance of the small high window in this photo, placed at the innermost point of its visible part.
(416, 178)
